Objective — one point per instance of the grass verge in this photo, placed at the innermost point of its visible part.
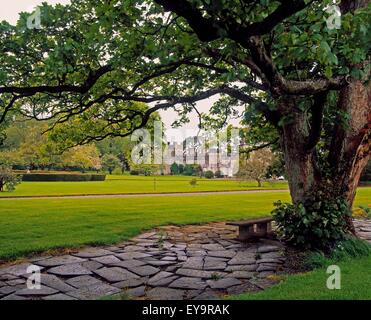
(353, 256)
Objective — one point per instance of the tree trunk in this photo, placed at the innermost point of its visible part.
(1, 185)
(348, 155)
(350, 147)
(301, 164)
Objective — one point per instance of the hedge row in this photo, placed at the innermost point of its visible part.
(62, 177)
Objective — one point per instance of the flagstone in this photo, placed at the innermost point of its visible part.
(223, 283)
(145, 270)
(188, 283)
(107, 259)
(59, 296)
(127, 264)
(92, 253)
(82, 281)
(70, 270)
(115, 274)
(54, 282)
(94, 291)
(132, 255)
(58, 261)
(130, 283)
(43, 291)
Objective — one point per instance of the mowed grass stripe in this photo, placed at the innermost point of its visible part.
(30, 226)
(114, 185)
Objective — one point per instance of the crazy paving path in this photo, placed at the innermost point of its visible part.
(189, 262)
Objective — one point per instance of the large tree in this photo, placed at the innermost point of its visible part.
(279, 59)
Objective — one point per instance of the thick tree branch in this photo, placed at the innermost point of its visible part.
(208, 29)
(85, 87)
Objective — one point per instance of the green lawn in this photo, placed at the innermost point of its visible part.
(28, 226)
(355, 284)
(136, 184)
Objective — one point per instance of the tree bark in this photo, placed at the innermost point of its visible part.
(349, 149)
(301, 164)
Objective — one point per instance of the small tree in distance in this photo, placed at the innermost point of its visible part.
(8, 179)
(110, 162)
(193, 182)
(255, 166)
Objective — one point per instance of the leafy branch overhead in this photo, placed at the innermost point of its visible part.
(87, 58)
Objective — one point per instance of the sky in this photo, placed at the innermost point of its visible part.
(9, 12)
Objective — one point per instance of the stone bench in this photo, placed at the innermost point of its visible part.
(252, 229)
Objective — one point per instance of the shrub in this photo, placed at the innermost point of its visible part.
(318, 224)
(134, 172)
(218, 174)
(209, 174)
(193, 182)
(174, 169)
(188, 170)
(62, 177)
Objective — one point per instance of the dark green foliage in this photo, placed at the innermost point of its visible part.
(62, 177)
(188, 170)
(317, 224)
(110, 162)
(174, 169)
(277, 168)
(218, 174)
(209, 174)
(134, 172)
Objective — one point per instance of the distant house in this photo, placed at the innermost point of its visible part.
(194, 150)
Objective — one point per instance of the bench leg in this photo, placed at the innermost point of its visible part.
(269, 228)
(261, 229)
(245, 233)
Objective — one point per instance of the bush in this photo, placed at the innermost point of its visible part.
(209, 174)
(62, 177)
(193, 182)
(188, 170)
(218, 174)
(134, 172)
(319, 224)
